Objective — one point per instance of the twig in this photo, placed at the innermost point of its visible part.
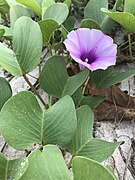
(130, 46)
(3, 147)
(119, 120)
(127, 163)
(35, 91)
(115, 167)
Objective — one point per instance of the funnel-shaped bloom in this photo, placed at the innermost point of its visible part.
(91, 48)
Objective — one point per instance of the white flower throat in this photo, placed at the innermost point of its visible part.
(86, 60)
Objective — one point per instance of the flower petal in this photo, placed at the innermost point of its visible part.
(108, 52)
(88, 38)
(78, 60)
(91, 48)
(72, 47)
(103, 63)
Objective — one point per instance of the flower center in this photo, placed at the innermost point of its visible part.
(88, 58)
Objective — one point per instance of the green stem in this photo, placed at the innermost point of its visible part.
(85, 85)
(35, 91)
(130, 46)
(50, 101)
(50, 49)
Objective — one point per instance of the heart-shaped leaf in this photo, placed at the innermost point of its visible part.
(48, 26)
(12, 169)
(83, 143)
(5, 91)
(92, 171)
(23, 123)
(90, 23)
(29, 50)
(16, 12)
(93, 11)
(8, 61)
(57, 12)
(32, 4)
(69, 23)
(48, 164)
(109, 77)
(55, 80)
(45, 5)
(126, 19)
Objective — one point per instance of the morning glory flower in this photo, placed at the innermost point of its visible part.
(91, 48)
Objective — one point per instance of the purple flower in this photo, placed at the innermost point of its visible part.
(91, 48)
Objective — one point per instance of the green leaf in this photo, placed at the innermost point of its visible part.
(16, 12)
(21, 119)
(90, 23)
(2, 2)
(2, 31)
(129, 6)
(54, 76)
(57, 122)
(12, 3)
(5, 91)
(92, 171)
(4, 8)
(109, 77)
(28, 52)
(83, 144)
(68, 3)
(8, 61)
(39, 2)
(69, 23)
(23, 123)
(97, 149)
(12, 169)
(93, 10)
(48, 27)
(79, 3)
(84, 130)
(7, 31)
(45, 5)
(32, 4)
(74, 82)
(55, 80)
(57, 12)
(48, 164)
(127, 20)
(91, 101)
(77, 97)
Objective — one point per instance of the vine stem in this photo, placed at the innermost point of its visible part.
(50, 49)
(50, 100)
(85, 85)
(130, 46)
(35, 91)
